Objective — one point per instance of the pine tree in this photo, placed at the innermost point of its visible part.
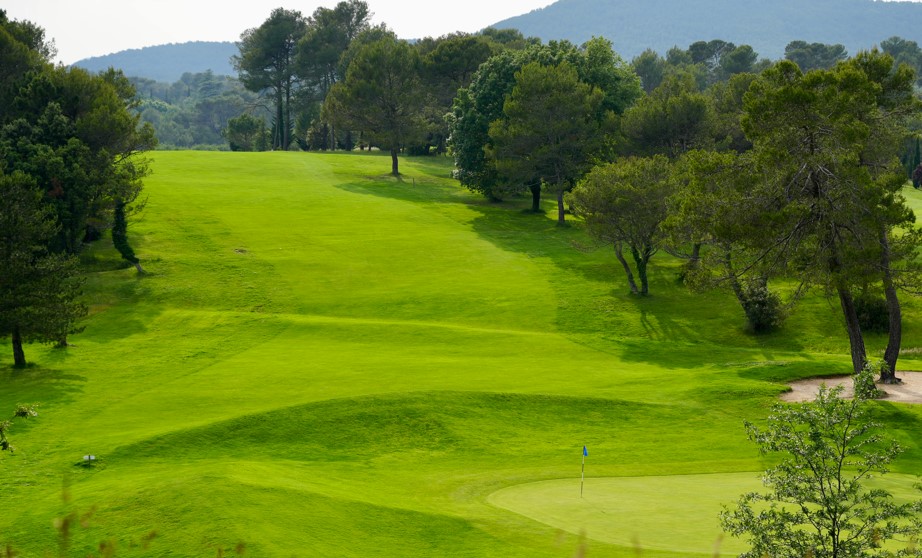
(39, 291)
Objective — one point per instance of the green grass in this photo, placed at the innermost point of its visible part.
(325, 360)
(621, 510)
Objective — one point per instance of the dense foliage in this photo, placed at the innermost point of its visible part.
(71, 152)
(194, 112)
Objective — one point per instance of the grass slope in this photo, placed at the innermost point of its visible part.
(325, 360)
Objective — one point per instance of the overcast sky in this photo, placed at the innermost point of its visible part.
(85, 28)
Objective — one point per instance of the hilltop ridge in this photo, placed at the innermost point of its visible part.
(768, 27)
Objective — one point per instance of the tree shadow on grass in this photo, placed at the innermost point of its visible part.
(595, 308)
(38, 384)
(118, 309)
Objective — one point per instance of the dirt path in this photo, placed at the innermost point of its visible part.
(909, 391)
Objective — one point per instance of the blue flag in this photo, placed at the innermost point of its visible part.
(585, 452)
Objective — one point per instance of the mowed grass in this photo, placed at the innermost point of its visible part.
(326, 360)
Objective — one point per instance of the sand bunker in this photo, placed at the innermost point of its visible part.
(909, 391)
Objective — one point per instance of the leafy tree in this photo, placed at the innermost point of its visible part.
(711, 209)
(624, 204)
(481, 104)
(39, 291)
(727, 101)
(678, 57)
(906, 52)
(267, 63)
(327, 37)
(549, 133)
(473, 109)
(814, 56)
(22, 48)
(671, 120)
(740, 60)
(80, 137)
(818, 504)
(382, 95)
(827, 182)
(651, 68)
(246, 133)
(710, 55)
(447, 65)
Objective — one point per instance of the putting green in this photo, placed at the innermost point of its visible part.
(673, 513)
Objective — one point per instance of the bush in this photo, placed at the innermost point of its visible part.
(763, 308)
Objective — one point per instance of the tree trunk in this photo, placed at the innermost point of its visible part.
(627, 268)
(395, 169)
(641, 260)
(734, 281)
(892, 353)
(19, 357)
(696, 254)
(855, 339)
(279, 118)
(561, 219)
(535, 197)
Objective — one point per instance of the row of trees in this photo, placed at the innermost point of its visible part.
(778, 176)
(399, 93)
(334, 81)
(70, 160)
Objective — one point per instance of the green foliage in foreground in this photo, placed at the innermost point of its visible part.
(819, 503)
(324, 360)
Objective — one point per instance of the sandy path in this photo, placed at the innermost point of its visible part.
(909, 391)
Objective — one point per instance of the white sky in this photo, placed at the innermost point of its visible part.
(85, 28)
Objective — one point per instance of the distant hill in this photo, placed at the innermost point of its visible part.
(632, 25)
(767, 25)
(167, 63)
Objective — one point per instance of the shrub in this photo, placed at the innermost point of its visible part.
(763, 308)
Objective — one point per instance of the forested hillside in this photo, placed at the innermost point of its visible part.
(768, 26)
(167, 63)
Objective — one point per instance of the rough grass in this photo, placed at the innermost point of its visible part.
(325, 360)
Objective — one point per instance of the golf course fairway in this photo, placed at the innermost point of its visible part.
(325, 360)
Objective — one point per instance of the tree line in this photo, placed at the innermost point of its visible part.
(71, 165)
(755, 173)
(333, 81)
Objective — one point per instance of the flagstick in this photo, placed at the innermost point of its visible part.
(582, 478)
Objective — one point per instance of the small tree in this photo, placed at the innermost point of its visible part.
(624, 203)
(382, 96)
(817, 505)
(246, 133)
